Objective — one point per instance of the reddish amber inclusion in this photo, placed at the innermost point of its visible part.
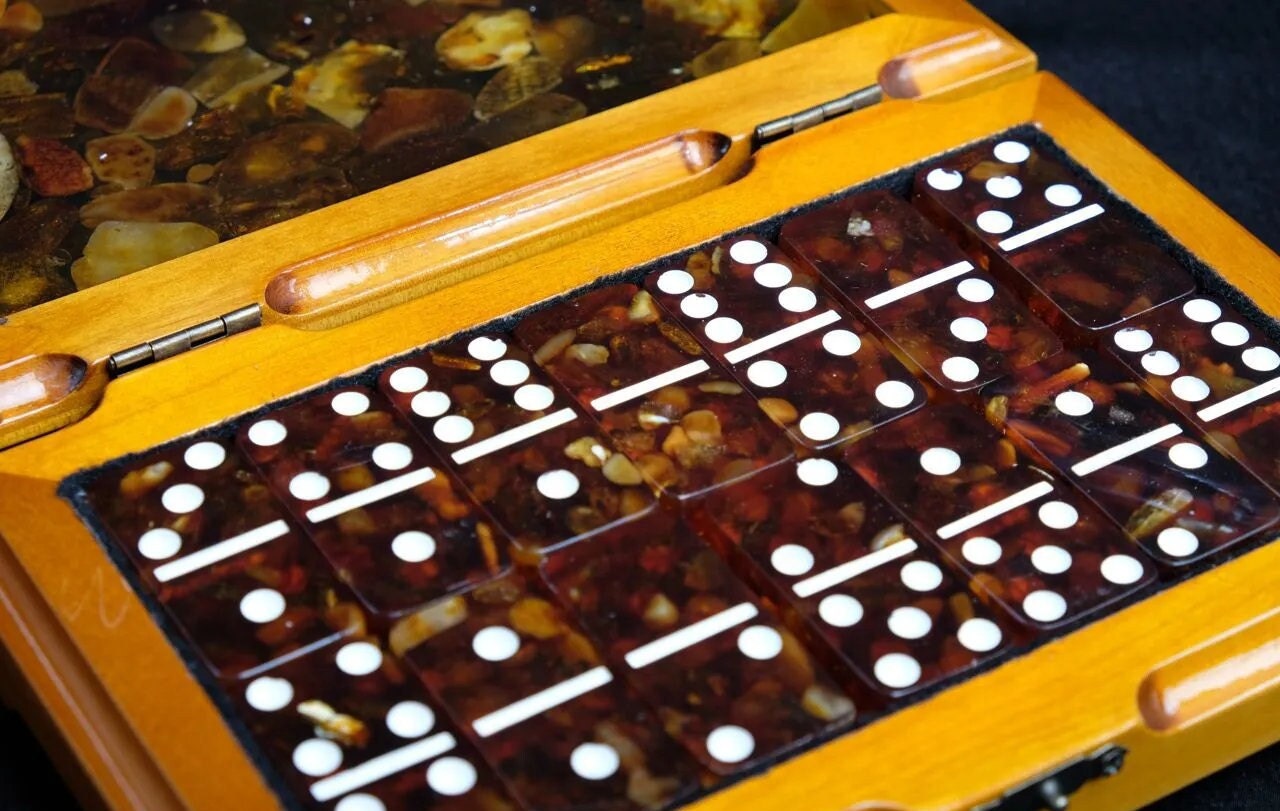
(817, 372)
(1151, 472)
(869, 599)
(949, 318)
(727, 678)
(1083, 266)
(1044, 552)
(559, 726)
(351, 721)
(676, 413)
(526, 450)
(380, 507)
(1205, 359)
(206, 535)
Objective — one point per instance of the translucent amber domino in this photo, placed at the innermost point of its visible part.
(723, 673)
(387, 515)
(206, 535)
(1041, 548)
(561, 728)
(663, 401)
(873, 600)
(1206, 360)
(525, 449)
(818, 373)
(350, 727)
(1084, 266)
(951, 319)
(1149, 470)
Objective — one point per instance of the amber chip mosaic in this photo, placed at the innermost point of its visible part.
(135, 132)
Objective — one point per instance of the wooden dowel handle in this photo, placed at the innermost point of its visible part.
(41, 393)
(444, 249)
(1198, 684)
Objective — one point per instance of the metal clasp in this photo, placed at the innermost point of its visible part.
(1053, 790)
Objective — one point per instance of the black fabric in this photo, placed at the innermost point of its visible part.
(1194, 82)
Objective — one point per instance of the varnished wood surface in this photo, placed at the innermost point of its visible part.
(130, 709)
(387, 226)
(1200, 682)
(344, 285)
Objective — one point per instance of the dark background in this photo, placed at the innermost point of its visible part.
(1196, 82)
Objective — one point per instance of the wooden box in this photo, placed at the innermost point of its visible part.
(1158, 694)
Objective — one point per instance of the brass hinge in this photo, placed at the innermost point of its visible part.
(771, 131)
(234, 322)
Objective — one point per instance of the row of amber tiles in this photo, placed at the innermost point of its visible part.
(346, 567)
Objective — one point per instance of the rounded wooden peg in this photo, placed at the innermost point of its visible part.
(40, 393)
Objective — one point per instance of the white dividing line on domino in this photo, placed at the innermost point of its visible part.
(370, 495)
(614, 398)
(847, 571)
(782, 336)
(914, 286)
(540, 702)
(1051, 227)
(1024, 496)
(220, 551)
(1125, 449)
(513, 435)
(690, 635)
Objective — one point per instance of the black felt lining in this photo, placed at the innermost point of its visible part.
(899, 182)
(73, 489)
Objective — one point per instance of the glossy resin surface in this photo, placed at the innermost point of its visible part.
(136, 132)
(667, 531)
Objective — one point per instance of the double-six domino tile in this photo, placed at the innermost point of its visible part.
(1150, 471)
(724, 675)
(349, 728)
(1204, 358)
(559, 726)
(525, 450)
(679, 416)
(949, 318)
(1045, 552)
(818, 372)
(400, 529)
(1033, 215)
(873, 601)
(205, 533)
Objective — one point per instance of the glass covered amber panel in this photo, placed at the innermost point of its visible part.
(137, 132)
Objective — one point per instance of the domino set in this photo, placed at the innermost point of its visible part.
(729, 405)
(666, 532)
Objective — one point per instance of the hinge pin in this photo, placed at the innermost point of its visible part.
(167, 346)
(778, 128)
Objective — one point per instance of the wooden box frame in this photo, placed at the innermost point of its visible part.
(1187, 680)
